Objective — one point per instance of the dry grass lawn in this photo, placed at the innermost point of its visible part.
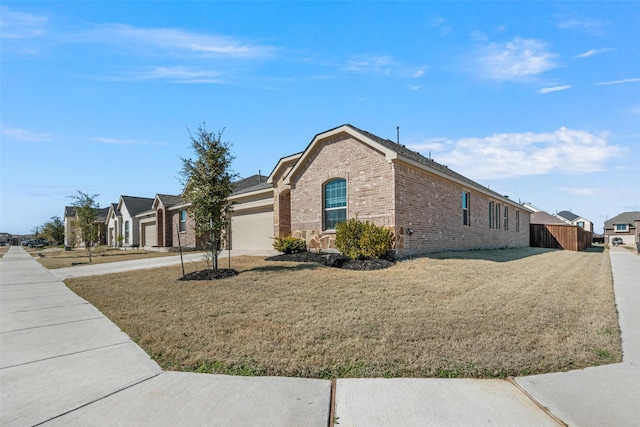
(472, 314)
(59, 258)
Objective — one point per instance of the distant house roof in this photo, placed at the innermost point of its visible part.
(249, 184)
(542, 217)
(568, 215)
(623, 218)
(101, 213)
(136, 205)
(169, 200)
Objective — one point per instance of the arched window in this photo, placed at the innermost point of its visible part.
(335, 203)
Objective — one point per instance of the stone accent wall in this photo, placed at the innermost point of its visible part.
(432, 207)
(370, 190)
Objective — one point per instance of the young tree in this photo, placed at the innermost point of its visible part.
(86, 207)
(207, 184)
(53, 230)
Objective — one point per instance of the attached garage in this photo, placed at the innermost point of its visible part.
(252, 229)
(149, 234)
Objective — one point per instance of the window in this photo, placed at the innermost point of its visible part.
(183, 220)
(126, 232)
(466, 213)
(491, 208)
(498, 208)
(517, 221)
(581, 224)
(506, 218)
(622, 228)
(335, 203)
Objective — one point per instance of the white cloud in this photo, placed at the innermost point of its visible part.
(378, 64)
(24, 135)
(517, 60)
(177, 40)
(382, 65)
(18, 25)
(117, 141)
(552, 89)
(578, 191)
(592, 52)
(585, 24)
(183, 74)
(506, 155)
(617, 82)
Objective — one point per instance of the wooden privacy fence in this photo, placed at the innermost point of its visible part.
(558, 236)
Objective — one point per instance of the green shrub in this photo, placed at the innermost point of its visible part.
(362, 240)
(289, 245)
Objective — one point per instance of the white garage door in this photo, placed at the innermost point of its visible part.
(252, 231)
(150, 237)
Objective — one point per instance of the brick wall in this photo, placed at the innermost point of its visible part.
(370, 188)
(432, 207)
(188, 238)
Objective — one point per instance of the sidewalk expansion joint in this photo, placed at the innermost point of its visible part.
(48, 307)
(53, 324)
(68, 354)
(538, 404)
(99, 399)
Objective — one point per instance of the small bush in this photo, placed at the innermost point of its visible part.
(289, 245)
(362, 240)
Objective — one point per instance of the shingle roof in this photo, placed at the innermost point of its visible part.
(249, 184)
(135, 205)
(568, 215)
(101, 214)
(69, 211)
(544, 218)
(623, 218)
(169, 200)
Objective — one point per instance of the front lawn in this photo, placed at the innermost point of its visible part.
(468, 314)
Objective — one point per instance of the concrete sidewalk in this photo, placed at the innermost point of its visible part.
(63, 363)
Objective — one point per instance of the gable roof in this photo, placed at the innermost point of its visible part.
(101, 213)
(542, 217)
(135, 205)
(394, 151)
(249, 184)
(568, 215)
(167, 200)
(623, 218)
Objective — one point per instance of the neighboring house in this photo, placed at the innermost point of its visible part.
(626, 226)
(551, 231)
(114, 226)
(123, 223)
(573, 219)
(346, 172)
(72, 237)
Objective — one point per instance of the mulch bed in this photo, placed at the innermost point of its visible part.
(209, 274)
(335, 260)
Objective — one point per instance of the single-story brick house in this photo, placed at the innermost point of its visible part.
(346, 172)
(626, 226)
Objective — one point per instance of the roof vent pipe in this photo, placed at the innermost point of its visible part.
(259, 175)
(398, 134)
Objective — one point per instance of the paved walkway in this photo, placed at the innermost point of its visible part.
(63, 363)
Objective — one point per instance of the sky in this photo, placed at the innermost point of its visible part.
(539, 101)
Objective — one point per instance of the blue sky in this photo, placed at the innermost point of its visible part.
(537, 100)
